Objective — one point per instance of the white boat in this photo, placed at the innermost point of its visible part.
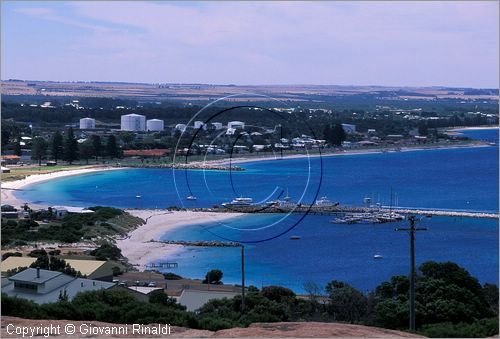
(191, 197)
(239, 202)
(378, 256)
(324, 201)
(138, 196)
(295, 237)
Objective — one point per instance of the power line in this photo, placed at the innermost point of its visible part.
(412, 230)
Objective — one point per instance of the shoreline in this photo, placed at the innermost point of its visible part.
(472, 128)
(8, 188)
(137, 246)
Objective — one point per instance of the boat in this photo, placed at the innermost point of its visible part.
(324, 202)
(378, 256)
(191, 197)
(239, 202)
(138, 196)
(295, 237)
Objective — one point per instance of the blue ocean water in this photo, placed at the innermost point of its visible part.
(463, 179)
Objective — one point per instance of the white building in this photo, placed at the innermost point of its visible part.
(199, 124)
(181, 127)
(349, 129)
(217, 125)
(87, 123)
(133, 122)
(155, 125)
(236, 125)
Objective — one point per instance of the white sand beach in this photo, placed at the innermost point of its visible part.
(137, 246)
(9, 187)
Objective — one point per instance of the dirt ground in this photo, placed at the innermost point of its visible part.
(258, 330)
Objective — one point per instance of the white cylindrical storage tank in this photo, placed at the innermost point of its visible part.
(181, 127)
(87, 123)
(133, 122)
(199, 124)
(155, 125)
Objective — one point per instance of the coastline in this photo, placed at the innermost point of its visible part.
(138, 248)
(8, 188)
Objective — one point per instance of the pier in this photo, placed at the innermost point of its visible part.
(199, 243)
(332, 210)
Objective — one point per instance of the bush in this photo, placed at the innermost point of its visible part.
(479, 329)
(107, 251)
(213, 277)
(171, 276)
(277, 293)
(11, 254)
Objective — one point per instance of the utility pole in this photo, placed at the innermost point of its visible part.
(242, 277)
(412, 229)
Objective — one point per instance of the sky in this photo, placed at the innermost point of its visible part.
(428, 43)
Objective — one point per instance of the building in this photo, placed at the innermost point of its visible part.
(200, 124)
(133, 122)
(181, 127)
(92, 269)
(155, 125)
(62, 211)
(217, 125)
(87, 123)
(236, 125)
(194, 299)
(10, 159)
(349, 129)
(44, 286)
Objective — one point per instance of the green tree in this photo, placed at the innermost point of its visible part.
(213, 277)
(70, 147)
(107, 251)
(39, 149)
(48, 262)
(86, 150)
(346, 303)
(56, 146)
(337, 135)
(97, 146)
(112, 150)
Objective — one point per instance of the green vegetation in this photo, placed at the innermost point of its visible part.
(104, 222)
(171, 276)
(450, 303)
(213, 277)
(107, 251)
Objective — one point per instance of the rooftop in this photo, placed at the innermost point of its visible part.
(30, 275)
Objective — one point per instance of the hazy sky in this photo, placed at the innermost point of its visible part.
(359, 43)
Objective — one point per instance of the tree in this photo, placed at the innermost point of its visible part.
(39, 149)
(213, 277)
(86, 150)
(70, 147)
(337, 135)
(277, 293)
(423, 129)
(346, 303)
(51, 263)
(107, 252)
(111, 147)
(97, 146)
(56, 146)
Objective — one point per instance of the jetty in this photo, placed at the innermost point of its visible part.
(333, 210)
(199, 243)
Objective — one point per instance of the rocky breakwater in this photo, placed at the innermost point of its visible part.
(192, 166)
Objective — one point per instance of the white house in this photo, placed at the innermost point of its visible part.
(217, 125)
(200, 124)
(236, 125)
